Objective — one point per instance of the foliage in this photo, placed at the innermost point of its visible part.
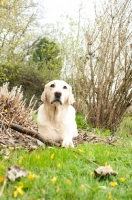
(125, 126)
(54, 175)
(16, 35)
(81, 122)
(96, 60)
(32, 82)
(46, 52)
(38, 70)
(29, 74)
(47, 59)
(8, 71)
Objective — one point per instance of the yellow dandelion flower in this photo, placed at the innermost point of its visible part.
(31, 176)
(52, 156)
(68, 182)
(81, 150)
(19, 190)
(20, 161)
(108, 154)
(109, 196)
(59, 165)
(107, 165)
(81, 187)
(2, 167)
(21, 184)
(2, 178)
(53, 180)
(38, 157)
(58, 189)
(113, 184)
(122, 179)
(92, 174)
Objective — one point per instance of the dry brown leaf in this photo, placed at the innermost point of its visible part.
(105, 170)
(15, 172)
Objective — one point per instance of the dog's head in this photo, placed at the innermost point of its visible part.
(57, 92)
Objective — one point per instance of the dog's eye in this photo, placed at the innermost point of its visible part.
(64, 87)
(52, 85)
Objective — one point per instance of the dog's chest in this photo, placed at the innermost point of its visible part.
(57, 115)
(59, 123)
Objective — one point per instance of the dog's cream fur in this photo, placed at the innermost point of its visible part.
(56, 116)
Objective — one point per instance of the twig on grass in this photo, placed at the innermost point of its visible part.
(86, 158)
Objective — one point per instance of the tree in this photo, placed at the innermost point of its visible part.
(17, 20)
(46, 58)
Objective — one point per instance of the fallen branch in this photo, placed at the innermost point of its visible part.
(32, 133)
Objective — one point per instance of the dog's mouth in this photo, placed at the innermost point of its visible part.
(56, 100)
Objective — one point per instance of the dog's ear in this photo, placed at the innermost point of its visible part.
(71, 99)
(43, 96)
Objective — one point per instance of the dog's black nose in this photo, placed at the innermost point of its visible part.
(57, 94)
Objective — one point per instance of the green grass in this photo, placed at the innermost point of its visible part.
(64, 175)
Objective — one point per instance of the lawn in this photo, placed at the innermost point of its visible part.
(59, 174)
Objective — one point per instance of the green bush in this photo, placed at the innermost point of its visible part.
(32, 82)
(81, 122)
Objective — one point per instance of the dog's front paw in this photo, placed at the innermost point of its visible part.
(67, 143)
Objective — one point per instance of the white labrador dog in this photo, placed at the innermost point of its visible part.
(56, 116)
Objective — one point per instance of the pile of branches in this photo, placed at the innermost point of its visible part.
(13, 111)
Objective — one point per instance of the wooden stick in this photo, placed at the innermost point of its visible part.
(32, 133)
(86, 158)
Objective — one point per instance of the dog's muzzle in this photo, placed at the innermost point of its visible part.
(57, 98)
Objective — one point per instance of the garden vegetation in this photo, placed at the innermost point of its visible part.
(96, 59)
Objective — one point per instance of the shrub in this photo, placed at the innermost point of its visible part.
(81, 122)
(102, 77)
(32, 82)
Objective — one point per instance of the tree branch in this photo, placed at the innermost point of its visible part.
(32, 133)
